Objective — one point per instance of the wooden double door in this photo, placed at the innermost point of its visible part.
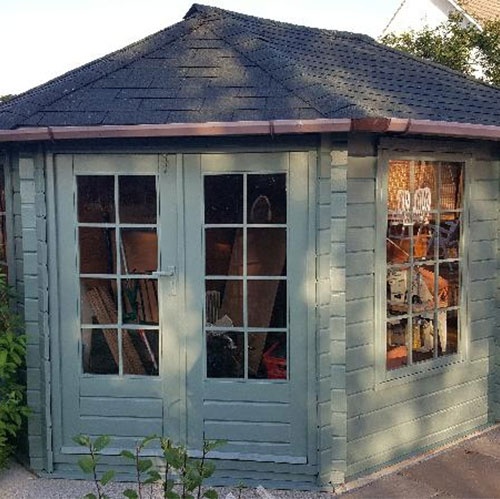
(185, 298)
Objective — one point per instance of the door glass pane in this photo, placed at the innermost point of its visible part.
(96, 196)
(224, 303)
(398, 195)
(449, 235)
(397, 291)
(422, 337)
(424, 239)
(425, 188)
(267, 355)
(223, 199)
(397, 343)
(266, 253)
(225, 354)
(97, 250)
(398, 239)
(139, 251)
(137, 199)
(423, 288)
(267, 304)
(448, 332)
(100, 351)
(140, 352)
(224, 252)
(266, 201)
(449, 282)
(451, 186)
(98, 301)
(140, 301)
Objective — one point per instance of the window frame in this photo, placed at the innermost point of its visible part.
(427, 367)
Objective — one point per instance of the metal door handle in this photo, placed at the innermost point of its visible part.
(169, 272)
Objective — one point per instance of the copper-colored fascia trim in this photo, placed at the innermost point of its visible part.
(278, 127)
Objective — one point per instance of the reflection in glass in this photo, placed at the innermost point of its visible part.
(397, 291)
(398, 199)
(98, 301)
(424, 239)
(137, 199)
(266, 252)
(449, 235)
(224, 303)
(449, 278)
(397, 341)
(100, 351)
(267, 303)
(448, 331)
(139, 251)
(140, 352)
(423, 288)
(224, 251)
(267, 355)
(398, 240)
(140, 301)
(225, 354)
(96, 195)
(425, 187)
(97, 250)
(266, 202)
(451, 186)
(422, 338)
(223, 199)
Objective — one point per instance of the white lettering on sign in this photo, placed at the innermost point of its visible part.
(422, 203)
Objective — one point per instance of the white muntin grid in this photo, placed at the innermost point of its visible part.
(121, 273)
(435, 262)
(245, 329)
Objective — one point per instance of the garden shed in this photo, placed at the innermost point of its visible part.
(247, 230)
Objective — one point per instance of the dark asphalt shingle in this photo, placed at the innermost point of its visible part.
(218, 65)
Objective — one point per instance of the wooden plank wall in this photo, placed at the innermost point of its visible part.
(388, 423)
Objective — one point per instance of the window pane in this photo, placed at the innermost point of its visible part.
(425, 188)
(223, 199)
(449, 284)
(139, 251)
(100, 351)
(397, 291)
(424, 238)
(267, 304)
(451, 186)
(3, 238)
(398, 186)
(224, 303)
(137, 195)
(96, 195)
(267, 355)
(98, 301)
(140, 352)
(2, 189)
(97, 250)
(225, 357)
(423, 288)
(397, 341)
(266, 199)
(423, 338)
(448, 331)
(140, 301)
(398, 240)
(224, 251)
(266, 254)
(449, 235)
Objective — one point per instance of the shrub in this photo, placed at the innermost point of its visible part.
(12, 358)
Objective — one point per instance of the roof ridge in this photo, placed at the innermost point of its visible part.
(110, 58)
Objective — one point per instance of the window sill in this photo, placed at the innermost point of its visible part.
(417, 371)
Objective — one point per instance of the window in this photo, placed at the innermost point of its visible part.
(118, 253)
(4, 268)
(423, 249)
(246, 313)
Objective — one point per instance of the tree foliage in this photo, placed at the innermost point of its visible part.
(456, 44)
(5, 98)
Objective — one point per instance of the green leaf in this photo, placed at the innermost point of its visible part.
(144, 465)
(130, 493)
(82, 440)
(127, 454)
(101, 442)
(87, 464)
(154, 475)
(90, 496)
(107, 477)
(172, 495)
(211, 494)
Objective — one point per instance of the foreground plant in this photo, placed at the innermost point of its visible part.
(12, 358)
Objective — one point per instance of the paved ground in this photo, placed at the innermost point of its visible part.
(470, 469)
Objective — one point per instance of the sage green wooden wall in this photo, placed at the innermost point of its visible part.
(388, 422)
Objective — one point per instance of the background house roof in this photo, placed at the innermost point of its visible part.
(218, 65)
(482, 10)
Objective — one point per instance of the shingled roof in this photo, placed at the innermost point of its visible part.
(482, 10)
(218, 65)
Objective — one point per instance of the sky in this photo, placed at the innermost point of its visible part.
(42, 39)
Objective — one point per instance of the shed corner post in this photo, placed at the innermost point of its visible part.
(331, 281)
